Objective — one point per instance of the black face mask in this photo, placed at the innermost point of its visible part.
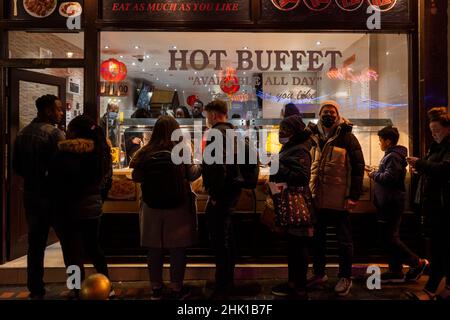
(328, 121)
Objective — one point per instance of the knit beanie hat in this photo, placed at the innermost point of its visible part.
(331, 103)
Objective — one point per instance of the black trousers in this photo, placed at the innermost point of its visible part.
(298, 260)
(220, 226)
(440, 248)
(340, 220)
(397, 252)
(37, 212)
(80, 243)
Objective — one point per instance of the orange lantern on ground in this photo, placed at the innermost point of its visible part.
(113, 70)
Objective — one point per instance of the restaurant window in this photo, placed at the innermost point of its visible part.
(258, 73)
(45, 45)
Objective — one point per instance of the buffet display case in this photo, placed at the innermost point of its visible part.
(125, 194)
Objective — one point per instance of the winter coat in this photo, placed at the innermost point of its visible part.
(337, 169)
(76, 191)
(434, 185)
(294, 169)
(220, 179)
(389, 190)
(168, 228)
(34, 147)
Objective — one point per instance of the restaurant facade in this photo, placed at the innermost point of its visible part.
(384, 61)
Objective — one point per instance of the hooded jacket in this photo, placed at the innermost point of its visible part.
(337, 169)
(76, 191)
(389, 190)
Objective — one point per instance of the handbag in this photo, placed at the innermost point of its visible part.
(293, 207)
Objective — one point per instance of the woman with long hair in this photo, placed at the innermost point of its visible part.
(434, 197)
(78, 175)
(168, 216)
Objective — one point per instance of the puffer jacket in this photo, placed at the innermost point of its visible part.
(389, 190)
(434, 186)
(337, 169)
(76, 191)
(35, 146)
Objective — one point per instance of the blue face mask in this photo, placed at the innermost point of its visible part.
(112, 115)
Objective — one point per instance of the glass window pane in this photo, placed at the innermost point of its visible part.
(40, 45)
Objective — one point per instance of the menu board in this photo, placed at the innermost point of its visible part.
(45, 10)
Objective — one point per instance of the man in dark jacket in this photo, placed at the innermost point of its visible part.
(219, 181)
(337, 173)
(34, 148)
(389, 198)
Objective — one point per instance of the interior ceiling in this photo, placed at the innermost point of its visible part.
(154, 48)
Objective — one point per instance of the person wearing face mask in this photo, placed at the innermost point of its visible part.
(433, 194)
(294, 169)
(108, 122)
(337, 173)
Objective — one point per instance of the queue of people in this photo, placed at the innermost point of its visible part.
(318, 182)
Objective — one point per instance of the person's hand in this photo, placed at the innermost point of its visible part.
(136, 140)
(412, 161)
(350, 204)
(371, 173)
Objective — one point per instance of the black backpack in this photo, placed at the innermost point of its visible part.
(164, 183)
(248, 172)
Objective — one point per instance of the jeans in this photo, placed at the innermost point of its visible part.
(38, 218)
(398, 253)
(340, 220)
(220, 226)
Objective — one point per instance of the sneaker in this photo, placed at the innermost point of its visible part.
(180, 295)
(283, 290)
(156, 294)
(392, 277)
(316, 281)
(414, 273)
(343, 287)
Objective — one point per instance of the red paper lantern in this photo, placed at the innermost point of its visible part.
(191, 100)
(230, 84)
(113, 70)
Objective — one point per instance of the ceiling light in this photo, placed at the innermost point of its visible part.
(245, 48)
(121, 57)
(388, 53)
(136, 47)
(106, 47)
(167, 85)
(147, 56)
(165, 70)
(133, 64)
(69, 54)
(174, 47)
(318, 43)
(156, 64)
(143, 70)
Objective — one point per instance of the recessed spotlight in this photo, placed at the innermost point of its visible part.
(318, 43)
(157, 79)
(133, 64)
(143, 70)
(106, 47)
(195, 72)
(244, 73)
(165, 70)
(121, 57)
(147, 56)
(245, 48)
(167, 85)
(136, 47)
(156, 64)
(175, 89)
(174, 47)
(388, 53)
(69, 54)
